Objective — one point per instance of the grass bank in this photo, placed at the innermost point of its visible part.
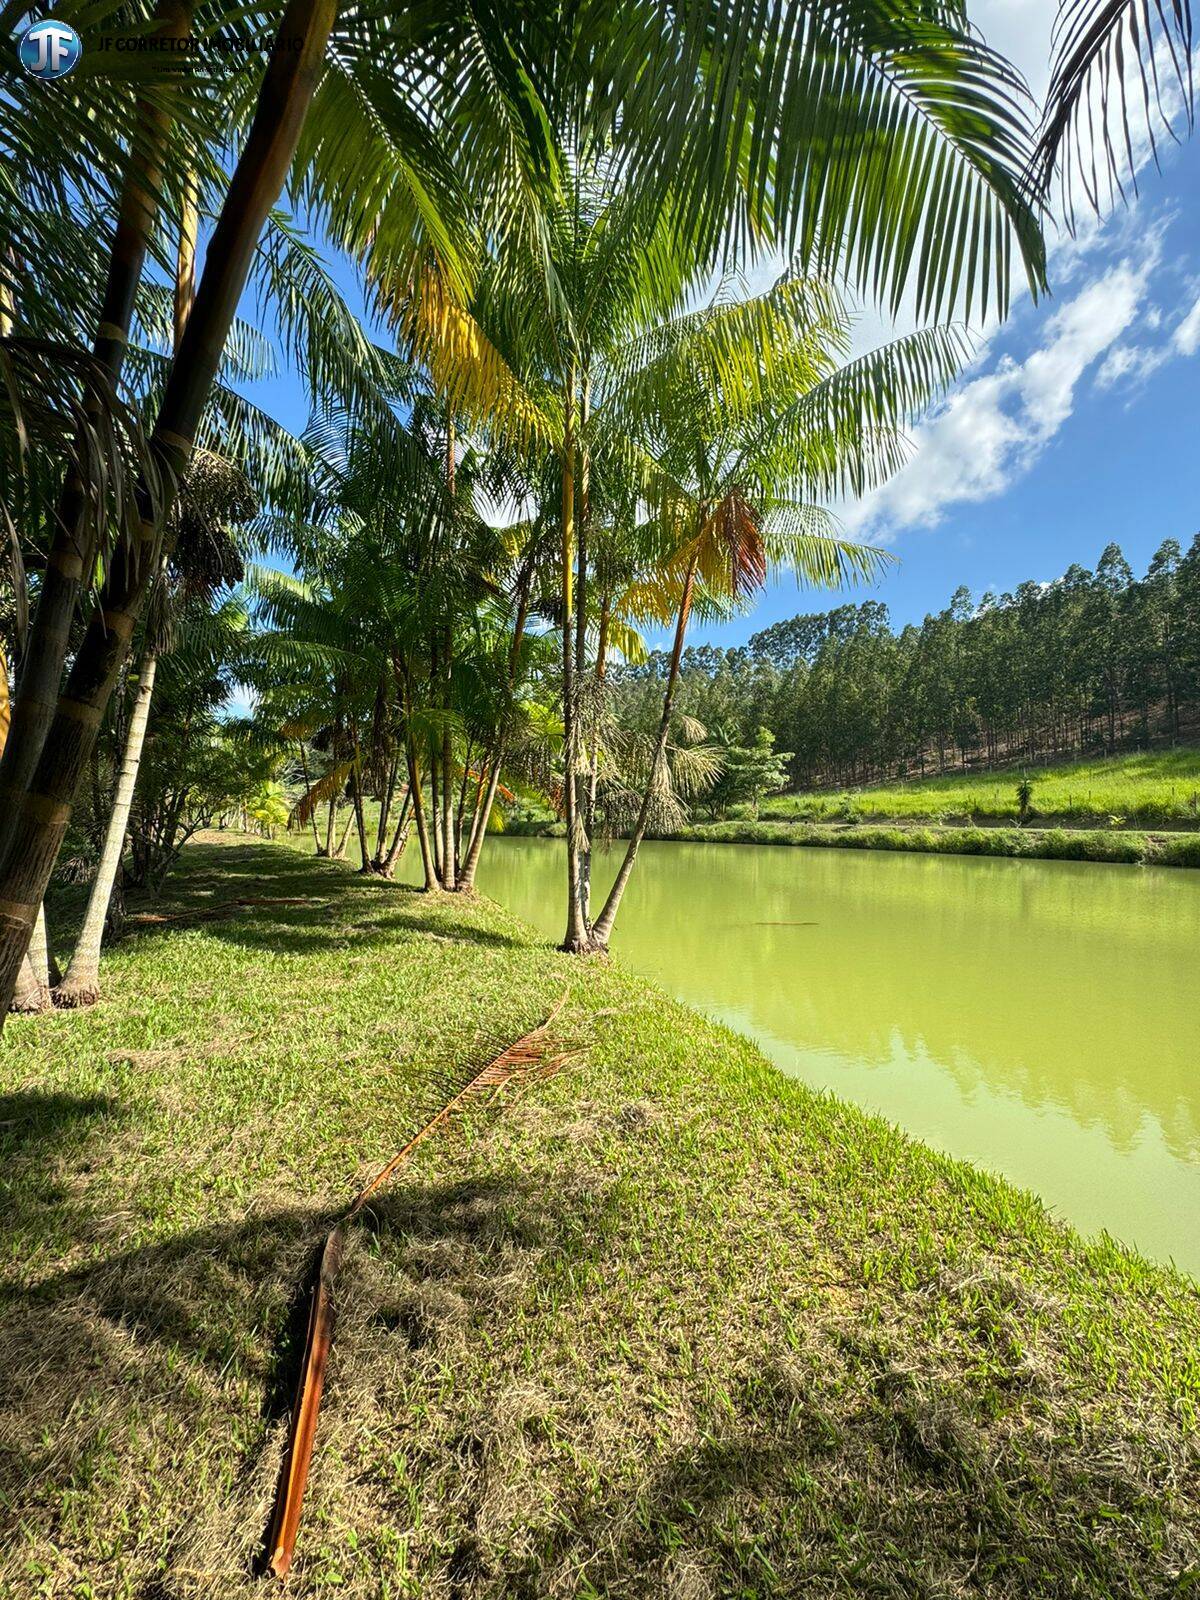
(1121, 846)
(1127, 846)
(1146, 790)
(669, 1325)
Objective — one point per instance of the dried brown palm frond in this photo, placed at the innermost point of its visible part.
(325, 788)
(528, 1059)
(731, 547)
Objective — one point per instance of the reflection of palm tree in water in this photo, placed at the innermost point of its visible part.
(1062, 986)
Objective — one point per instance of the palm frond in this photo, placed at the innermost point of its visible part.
(1122, 71)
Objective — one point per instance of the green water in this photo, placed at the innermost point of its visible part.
(1037, 1018)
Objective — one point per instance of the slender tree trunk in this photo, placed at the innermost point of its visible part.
(330, 819)
(576, 936)
(340, 852)
(460, 809)
(436, 805)
(385, 810)
(602, 931)
(446, 662)
(32, 992)
(312, 816)
(40, 958)
(414, 786)
(449, 876)
(70, 552)
(584, 735)
(479, 823)
(29, 997)
(481, 783)
(43, 811)
(399, 839)
(356, 795)
(81, 986)
(593, 772)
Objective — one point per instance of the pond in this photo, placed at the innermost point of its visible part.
(1037, 1018)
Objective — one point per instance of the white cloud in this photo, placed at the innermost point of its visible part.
(992, 429)
(1186, 337)
(1129, 365)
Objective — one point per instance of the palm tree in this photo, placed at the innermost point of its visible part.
(204, 560)
(922, 142)
(745, 449)
(41, 813)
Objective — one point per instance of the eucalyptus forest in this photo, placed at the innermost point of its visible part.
(1091, 663)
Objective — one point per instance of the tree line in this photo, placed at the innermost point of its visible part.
(1092, 662)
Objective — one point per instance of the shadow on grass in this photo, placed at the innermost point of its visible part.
(340, 896)
(145, 1397)
(31, 1120)
(121, 1376)
(45, 1142)
(886, 1489)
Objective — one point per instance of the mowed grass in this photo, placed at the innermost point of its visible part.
(668, 1325)
(1149, 789)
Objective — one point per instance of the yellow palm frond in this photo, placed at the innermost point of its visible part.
(466, 367)
(627, 641)
(324, 789)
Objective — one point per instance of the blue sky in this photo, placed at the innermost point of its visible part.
(1077, 423)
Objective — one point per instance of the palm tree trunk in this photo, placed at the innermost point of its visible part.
(584, 737)
(436, 806)
(449, 847)
(40, 959)
(594, 757)
(32, 993)
(460, 810)
(29, 997)
(602, 931)
(81, 986)
(449, 875)
(385, 811)
(479, 827)
(340, 853)
(399, 839)
(356, 796)
(479, 823)
(43, 811)
(67, 558)
(330, 821)
(481, 779)
(312, 817)
(576, 936)
(414, 785)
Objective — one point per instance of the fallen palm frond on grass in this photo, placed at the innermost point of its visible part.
(526, 1060)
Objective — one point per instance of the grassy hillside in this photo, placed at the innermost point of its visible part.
(1153, 789)
(669, 1325)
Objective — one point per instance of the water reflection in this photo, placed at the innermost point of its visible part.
(1038, 1017)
